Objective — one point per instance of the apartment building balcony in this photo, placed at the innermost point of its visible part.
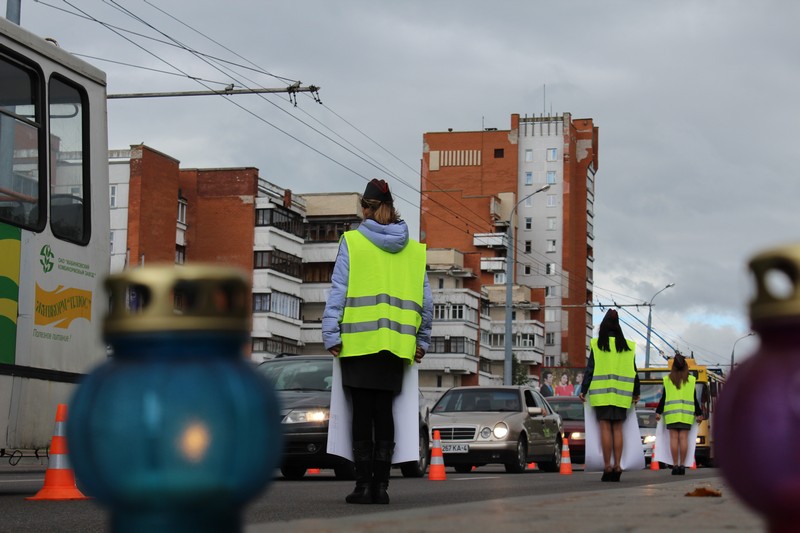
(314, 292)
(449, 363)
(493, 264)
(490, 240)
(311, 337)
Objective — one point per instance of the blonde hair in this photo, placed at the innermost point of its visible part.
(381, 212)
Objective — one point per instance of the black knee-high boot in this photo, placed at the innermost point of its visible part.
(362, 457)
(381, 469)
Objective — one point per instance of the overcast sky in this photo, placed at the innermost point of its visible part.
(695, 104)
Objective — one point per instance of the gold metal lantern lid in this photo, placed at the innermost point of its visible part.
(776, 273)
(178, 298)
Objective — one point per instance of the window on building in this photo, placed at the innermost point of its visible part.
(275, 345)
(284, 304)
(441, 283)
(499, 278)
(550, 290)
(551, 269)
(485, 307)
(551, 223)
(528, 155)
(528, 247)
(457, 312)
(439, 312)
(436, 345)
(551, 177)
(551, 200)
(112, 196)
(317, 272)
(550, 340)
(528, 223)
(551, 245)
(261, 302)
(182, 211)
(111, 240)
(499, 153)
(283, 219)
(549, 315)
(529, 178)
(180, 254)
(550, 360)
(280, 261)
(327, 231)
(529, 201)
(526, 340)
(552, 154)
(527, 270)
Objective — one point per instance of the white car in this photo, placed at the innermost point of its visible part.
(647, 429)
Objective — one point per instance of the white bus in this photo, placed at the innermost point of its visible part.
(54, 231)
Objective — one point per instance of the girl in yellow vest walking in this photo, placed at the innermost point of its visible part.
(680, 409)
(377, 323)
(612, 385)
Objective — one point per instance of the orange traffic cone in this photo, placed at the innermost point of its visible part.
(566, 462)
(653, 462)
(436, 468)
(59, 480)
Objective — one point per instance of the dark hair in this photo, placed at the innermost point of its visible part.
(679, 373)
(610, 327)
(381, 212)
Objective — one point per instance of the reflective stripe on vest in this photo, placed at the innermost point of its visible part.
(383, 307)
(614, 376)
(679, 403)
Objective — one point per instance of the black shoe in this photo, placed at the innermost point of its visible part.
(682, 471)
(676, 470)
(616, 475)
(360, 494)
(607, 476)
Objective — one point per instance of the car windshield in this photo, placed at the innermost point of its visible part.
(568, 410)
(647, 419)
(478, 400)
(304, 374)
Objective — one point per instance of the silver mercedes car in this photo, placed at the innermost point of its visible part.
(509, 425)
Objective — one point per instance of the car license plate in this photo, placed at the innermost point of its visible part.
(448, 447)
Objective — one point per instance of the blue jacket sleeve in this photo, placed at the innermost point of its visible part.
(334, 307)
(424, 331)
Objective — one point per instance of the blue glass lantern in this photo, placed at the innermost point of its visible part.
(177, 431)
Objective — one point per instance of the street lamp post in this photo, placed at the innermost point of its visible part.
(734, 347)
(649, 324)
(511, 245)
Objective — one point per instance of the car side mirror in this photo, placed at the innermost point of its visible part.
(535, 411)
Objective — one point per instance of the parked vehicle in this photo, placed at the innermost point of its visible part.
(572, 417)
(647, 428)
(303, 384)
(508, 425)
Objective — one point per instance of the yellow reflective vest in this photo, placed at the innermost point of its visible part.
(679, 403)
(383, 307)
(614, 375)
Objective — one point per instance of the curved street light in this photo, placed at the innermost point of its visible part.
(734, 347)
(649, 324)
(511, 246)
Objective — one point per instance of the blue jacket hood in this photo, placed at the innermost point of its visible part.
(389, 238)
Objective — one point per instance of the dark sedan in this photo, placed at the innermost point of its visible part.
(303, 384)
(571, 410)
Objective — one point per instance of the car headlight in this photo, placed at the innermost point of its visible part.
(486, 433)
(577, 435)
(648, 439)
(500, 430)
(299, 416)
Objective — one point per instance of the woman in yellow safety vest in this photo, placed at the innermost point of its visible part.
(680, 408)
(377, 321)
(612, 384)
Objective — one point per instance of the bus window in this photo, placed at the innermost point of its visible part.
(20, 138)
(69, 179)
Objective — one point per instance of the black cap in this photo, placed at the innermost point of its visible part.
(378, 190)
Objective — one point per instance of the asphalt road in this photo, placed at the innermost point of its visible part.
(317, 496)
